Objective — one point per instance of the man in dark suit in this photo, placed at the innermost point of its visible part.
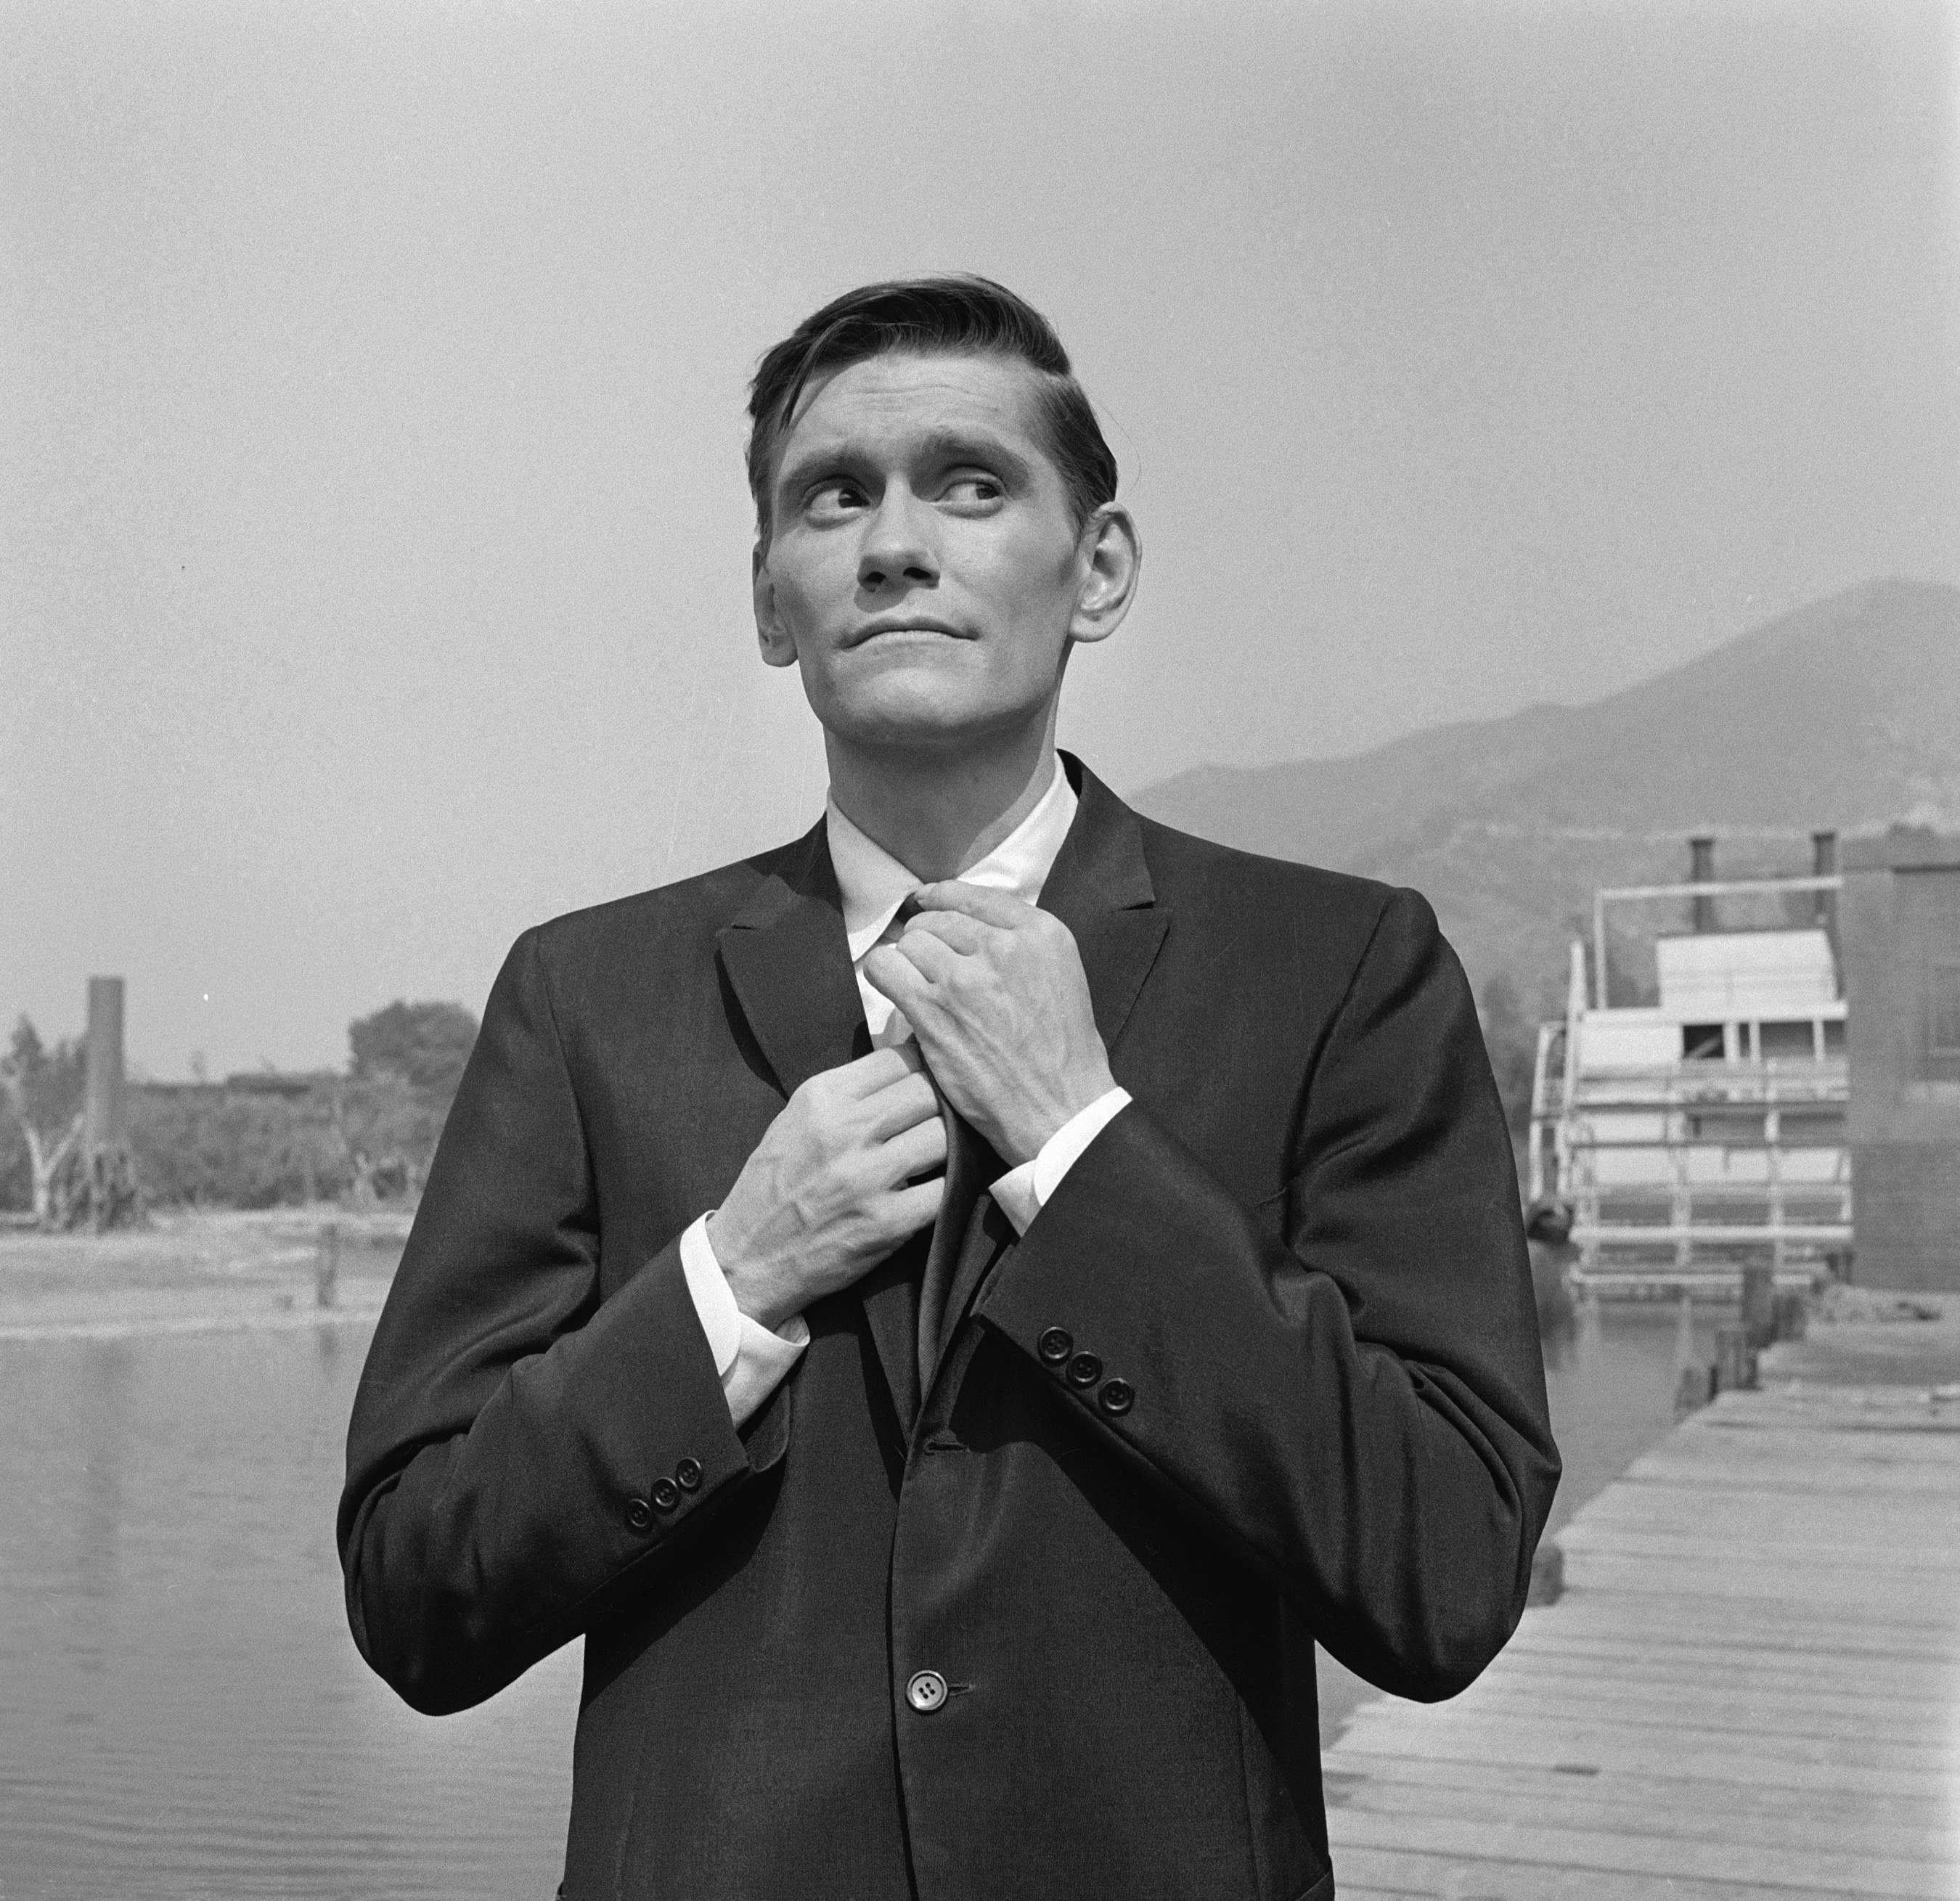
(951, 1309)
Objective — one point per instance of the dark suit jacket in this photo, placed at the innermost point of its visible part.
(1300, 1396)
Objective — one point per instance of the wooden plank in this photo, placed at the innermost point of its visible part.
(1886, 1599)
(1747, 1707)
(1646, 1618)
(1704, 1653)
(1739, 1512)
(1877, 1591)
(1402, 1871)
(1712, 1671)
(1743, 1713)
(1819, 1543)
(1786, 1463)
(1906, 1768)
(1809, 1462)
(1520, 1840)
(1827, 1406)
(1719, 1485)
(1646, 1805)
(1679, 1499)
(1860, 1681)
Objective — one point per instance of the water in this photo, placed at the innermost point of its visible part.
(185, 1715)
(1611, 1377)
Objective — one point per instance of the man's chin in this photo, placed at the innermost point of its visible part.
(912, 716)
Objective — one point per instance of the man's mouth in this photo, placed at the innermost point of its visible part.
(904, 624)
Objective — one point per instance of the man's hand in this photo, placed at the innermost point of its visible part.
(824, 1198)
(994, 990)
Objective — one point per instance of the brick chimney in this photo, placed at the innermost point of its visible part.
(1701, 871)
(1823, 864)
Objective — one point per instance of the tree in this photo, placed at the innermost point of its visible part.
(405, 1062)
(237, 1147)
(45, 1088)
(425, 1045)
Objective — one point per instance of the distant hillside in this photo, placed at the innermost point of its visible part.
(1845, 715)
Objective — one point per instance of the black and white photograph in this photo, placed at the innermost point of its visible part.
(959, 954)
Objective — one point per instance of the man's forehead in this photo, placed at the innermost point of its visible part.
(912, 394)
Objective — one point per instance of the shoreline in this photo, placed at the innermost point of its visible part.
(199, 1271)
(165, 1326)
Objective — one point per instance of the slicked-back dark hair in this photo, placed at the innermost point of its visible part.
(933, 315)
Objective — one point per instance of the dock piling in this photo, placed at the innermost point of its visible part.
(326, 1265)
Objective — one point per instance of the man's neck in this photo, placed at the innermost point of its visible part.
(938, 816)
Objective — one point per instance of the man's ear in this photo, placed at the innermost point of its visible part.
(1112, 556)
(777, 644)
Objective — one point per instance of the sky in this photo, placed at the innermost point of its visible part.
(373, 541)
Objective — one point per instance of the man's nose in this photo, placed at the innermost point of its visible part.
(899, 546)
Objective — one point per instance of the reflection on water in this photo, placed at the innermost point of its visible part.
(185, 1713)
(1611, 1377)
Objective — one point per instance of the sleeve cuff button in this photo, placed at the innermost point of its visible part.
(666, 1495)
(1116, 1397)
(1084, 1370)
(639, 1514)
(689, 1473)
(1054, 1346)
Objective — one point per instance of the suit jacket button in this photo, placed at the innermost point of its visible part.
(689, 1473)
(639, 1514)
(926, 1692)
(1084, 1370)
(1054, 1346)
(666, 1495)
(1116, 1397)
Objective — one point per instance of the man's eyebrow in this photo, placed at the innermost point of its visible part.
(973, 445)
(938, 445)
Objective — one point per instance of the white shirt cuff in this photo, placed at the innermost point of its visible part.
(751, 1360)
(1023, 1192)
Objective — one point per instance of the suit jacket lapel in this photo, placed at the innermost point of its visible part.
(789, 964)
(1100, 888)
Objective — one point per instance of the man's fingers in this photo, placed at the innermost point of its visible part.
(908, 1102)
(965, 934)
(895, 976)
(867, 1075)
(928, 953)
(917, 1206)
(996, 907)
(913, 1151)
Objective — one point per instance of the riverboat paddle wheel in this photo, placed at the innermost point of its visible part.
(1705, 1132)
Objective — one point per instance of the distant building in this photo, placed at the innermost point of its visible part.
(1900, 939)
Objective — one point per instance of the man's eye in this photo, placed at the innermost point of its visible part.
(836, 497)
(973, 488)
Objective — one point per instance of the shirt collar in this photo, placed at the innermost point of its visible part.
(873, 884)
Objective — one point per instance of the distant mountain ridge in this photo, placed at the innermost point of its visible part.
(1843, 716)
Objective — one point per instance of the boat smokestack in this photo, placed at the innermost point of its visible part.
(1701, 871)
(1823, 864)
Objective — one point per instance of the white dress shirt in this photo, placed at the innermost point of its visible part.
(752, 1359)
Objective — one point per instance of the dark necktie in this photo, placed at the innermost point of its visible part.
(962, 1235)
(962, 1232)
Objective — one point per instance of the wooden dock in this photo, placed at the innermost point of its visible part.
(1750, 1689)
